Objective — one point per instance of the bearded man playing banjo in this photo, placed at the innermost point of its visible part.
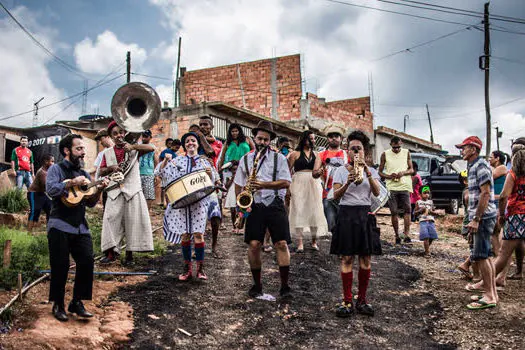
(269, 181)
(126, 213)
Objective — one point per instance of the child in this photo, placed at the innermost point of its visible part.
(231, 200)
(427, 228)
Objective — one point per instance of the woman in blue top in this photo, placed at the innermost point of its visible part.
(497, 161)
(237, 145)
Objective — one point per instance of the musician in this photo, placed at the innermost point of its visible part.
(68, 231)
(306, 206)
(126, 213)
(355, 232)
(268, 211)
(324, 166)
(181, 224)
(214, 208)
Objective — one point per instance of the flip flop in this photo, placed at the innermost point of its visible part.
(480, 305)
(466, 273)
(476, 297)
(470, 288)
(515, 277)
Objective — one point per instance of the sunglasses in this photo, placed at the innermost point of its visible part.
(396, 147)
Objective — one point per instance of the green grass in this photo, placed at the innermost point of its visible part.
(28, 255)
(13, 201)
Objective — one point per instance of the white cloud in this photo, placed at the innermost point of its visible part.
(165, 93)
(25, 72)
(105, 53)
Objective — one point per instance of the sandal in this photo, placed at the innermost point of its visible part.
(470, 288)
(466, 273)
(515, 277)
(480, 305)
(476, 297)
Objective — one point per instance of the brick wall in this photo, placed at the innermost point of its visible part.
(222, 84)
(345, 112)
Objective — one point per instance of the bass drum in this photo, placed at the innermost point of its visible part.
(379, 201)
(189, 189)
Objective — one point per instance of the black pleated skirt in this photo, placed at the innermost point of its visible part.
(356, 232)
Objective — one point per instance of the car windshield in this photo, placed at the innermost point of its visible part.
(422, 164)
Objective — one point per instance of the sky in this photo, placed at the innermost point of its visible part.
(341, 47)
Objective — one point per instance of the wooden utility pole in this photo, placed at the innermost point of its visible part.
(128, 67)
(405, 118)
(486, 67)
(177, 91)
(430, 125)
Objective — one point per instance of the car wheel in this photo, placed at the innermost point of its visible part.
(453, 207)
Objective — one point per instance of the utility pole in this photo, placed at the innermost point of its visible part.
(35, 113)
(486, 68)
(176, 100)
(84, 97)
(430, 125)
(498, 135)
(405, 118)
(128, 67)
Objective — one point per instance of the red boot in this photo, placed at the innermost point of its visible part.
(200, 271)
(188, 274)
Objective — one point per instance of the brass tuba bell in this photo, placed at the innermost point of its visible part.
(135, 107)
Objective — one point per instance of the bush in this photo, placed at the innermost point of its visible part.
(13, 201)
(28, 255)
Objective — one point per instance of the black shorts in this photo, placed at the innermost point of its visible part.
(273, 218)
(399, 202)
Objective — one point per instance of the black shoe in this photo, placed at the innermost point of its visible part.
(344, 310)
(398, 240)
(285, 293)
(76, 307)
(59, 312)
(108, 259)
(364, 308)
(407, 239)
(255, 291)
(128, 263)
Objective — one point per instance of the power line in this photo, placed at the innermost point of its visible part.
(60, 112)
(60, 61)
(508, 60)
(66, 98)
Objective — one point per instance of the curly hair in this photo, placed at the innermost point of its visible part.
(241, 138)
(518, 159)
(359, 135)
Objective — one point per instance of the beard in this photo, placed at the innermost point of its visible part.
(259, 147)
(78, 162)
(334, 144)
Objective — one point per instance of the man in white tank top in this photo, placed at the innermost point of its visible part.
(396, 168)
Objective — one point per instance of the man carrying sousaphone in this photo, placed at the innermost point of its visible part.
(269, 181)
(180, 224)
(126, 213)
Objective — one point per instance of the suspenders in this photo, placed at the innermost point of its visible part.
(274, 175)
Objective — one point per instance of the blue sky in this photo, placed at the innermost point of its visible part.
(338, 44)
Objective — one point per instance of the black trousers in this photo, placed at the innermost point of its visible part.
(61, 244)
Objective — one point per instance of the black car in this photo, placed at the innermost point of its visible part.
(443, 180)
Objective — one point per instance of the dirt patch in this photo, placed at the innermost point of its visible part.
(218, 313)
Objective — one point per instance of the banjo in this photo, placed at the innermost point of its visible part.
(77, 194)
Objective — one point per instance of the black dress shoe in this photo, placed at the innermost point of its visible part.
(60, 313)
(255, 291)
(76, 307)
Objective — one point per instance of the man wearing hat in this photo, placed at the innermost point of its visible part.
(267, 211)
(325, 165)
(482, 214)
(126, 214)
(148, 162)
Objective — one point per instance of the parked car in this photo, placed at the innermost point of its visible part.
(443, 179)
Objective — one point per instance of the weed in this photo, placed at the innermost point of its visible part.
(13, 201)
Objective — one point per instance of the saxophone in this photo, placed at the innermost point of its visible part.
(245, 198)
(358, 170)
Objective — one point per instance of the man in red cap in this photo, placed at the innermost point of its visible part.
(482, 215)
(126, 213)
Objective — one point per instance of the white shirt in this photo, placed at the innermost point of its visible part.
(355, 194)
(265, 174)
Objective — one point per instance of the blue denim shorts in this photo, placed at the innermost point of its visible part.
(480, 248)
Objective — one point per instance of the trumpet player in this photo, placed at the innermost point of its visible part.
(396, 168)
(356, 232)
(126, 213)
(269, 181)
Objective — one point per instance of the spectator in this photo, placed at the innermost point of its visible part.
(148, 161)
(499, 172)
(169, 148)
(416, 189)
(36, 195)
(427, 228)
(173, 150)
(22, 164)
(283, 145)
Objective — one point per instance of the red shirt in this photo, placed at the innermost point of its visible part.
(336, 157)
(516, 203)
(119, 154)
(23, 158)
(416, 185)
(217, 147)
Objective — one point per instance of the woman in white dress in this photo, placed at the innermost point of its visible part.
(180, 225)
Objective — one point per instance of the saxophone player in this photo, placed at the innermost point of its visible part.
(272, 178)
(355, 232)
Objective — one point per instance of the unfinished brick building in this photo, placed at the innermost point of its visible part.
(273, 87)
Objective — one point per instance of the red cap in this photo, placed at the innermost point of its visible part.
(471, 140)
(111, 126)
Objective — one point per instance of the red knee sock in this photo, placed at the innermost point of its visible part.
(364, 277)
(347, 278)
